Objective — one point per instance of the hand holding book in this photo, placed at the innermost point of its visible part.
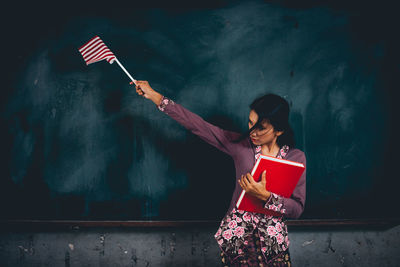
(257, 189)
(283, 176)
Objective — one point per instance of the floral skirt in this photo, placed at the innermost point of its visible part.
(252, 256)
(280, 260)
(253, 239)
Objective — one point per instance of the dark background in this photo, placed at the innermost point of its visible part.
(77, 143)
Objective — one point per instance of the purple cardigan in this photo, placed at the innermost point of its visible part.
(243, 154)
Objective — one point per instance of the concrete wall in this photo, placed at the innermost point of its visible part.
(194, 246)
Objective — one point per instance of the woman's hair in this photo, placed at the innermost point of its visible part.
(275, 110)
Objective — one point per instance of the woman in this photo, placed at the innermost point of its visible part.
(245, 238)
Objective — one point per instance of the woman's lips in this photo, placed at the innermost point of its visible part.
(253, 139)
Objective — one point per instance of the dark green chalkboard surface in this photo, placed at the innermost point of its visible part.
(78, 143)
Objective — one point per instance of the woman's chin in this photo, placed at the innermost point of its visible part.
(255, 142)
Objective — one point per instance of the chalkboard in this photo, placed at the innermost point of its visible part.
(78, 143)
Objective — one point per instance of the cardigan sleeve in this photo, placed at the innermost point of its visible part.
(291, 207)
(221, 139)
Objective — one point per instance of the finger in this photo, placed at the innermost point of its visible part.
(264, 177)
(249, 178)
(242, 182)
(246, 181)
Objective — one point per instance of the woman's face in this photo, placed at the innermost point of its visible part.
(265, 135)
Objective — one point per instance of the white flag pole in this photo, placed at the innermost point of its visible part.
(127, 73)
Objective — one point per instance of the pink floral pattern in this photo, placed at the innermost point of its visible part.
(227, 234)
(275, 203)
(279, 238)
(271, 230)
(239, 228)
(247, 217)
(164, 102)
(239, 231)
(278, 227)
(232, 224)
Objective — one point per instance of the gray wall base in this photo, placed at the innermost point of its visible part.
(189, 247)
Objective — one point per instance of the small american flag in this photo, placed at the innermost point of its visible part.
(95, 50)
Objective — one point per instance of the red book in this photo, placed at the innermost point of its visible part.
(282, 177)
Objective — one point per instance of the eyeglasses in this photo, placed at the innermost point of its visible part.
(261, 132)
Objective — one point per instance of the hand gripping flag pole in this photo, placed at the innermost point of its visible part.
(95, 50)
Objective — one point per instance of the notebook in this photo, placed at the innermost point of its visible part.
(282, 177)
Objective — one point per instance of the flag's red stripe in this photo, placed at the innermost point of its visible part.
(94, 61)
(102, 56)
(90, 62)
(83, 46)
(105, 56)
(94, 51)
(93, 48)
(109, 59)
(99, 53)
(93, 45)
(99, 49)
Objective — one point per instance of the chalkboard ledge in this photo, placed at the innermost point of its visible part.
(309, 224)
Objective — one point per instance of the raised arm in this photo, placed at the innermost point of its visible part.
(210, 133)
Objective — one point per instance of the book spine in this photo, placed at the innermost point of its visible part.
(255, 166)
(252, 174)
(283, 161)
(240, 199)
